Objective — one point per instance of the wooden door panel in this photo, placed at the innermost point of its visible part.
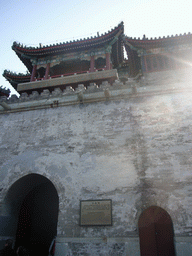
(156, 233)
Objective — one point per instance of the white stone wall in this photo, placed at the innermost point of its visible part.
(134, 151)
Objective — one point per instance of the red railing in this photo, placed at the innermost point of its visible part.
(68, 74)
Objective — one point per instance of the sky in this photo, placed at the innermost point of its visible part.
(32, 22)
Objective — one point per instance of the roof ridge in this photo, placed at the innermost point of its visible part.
(12, 73)
(159, 38)
(21, 46)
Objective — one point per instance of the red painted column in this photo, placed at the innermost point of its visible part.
(157, 60)
(47, 71)
(92, 64)
(170, 63)
(33, 73)
(164, 64)
(145, 61)
(151, 60)
(108, 61)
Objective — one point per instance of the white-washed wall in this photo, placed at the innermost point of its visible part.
(135, 151)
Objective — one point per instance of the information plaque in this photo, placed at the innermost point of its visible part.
(95, 212)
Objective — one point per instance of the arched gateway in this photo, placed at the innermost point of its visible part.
(156, 233)
(32, 202)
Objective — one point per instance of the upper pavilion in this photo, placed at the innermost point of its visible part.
(88, 60)
(97, 59)
(158, 54)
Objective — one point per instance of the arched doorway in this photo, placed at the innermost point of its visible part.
(156, 233)
(33, 203)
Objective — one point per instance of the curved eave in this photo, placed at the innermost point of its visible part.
(24, 52)
(4, 92)
(118, 52)
(160, 42)
(26, 61)
(15, 79)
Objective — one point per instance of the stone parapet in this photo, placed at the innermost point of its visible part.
(72, 79)
(68, 96)
(82, 94)
(148, 85)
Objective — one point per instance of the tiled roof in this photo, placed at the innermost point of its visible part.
(4, 91)
(25, 53)
(14, 78)
(151, 43)
(115, 37)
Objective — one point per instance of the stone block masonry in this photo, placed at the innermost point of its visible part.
(134, 149)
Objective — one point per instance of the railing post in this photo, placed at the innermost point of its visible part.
(92, 64)
(33, 73)
(47, 71)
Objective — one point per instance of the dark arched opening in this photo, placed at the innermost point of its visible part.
(32, 201)
(156, 233)
(100, 63)
(40, 72)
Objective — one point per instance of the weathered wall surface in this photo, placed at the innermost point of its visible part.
(135, 151)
